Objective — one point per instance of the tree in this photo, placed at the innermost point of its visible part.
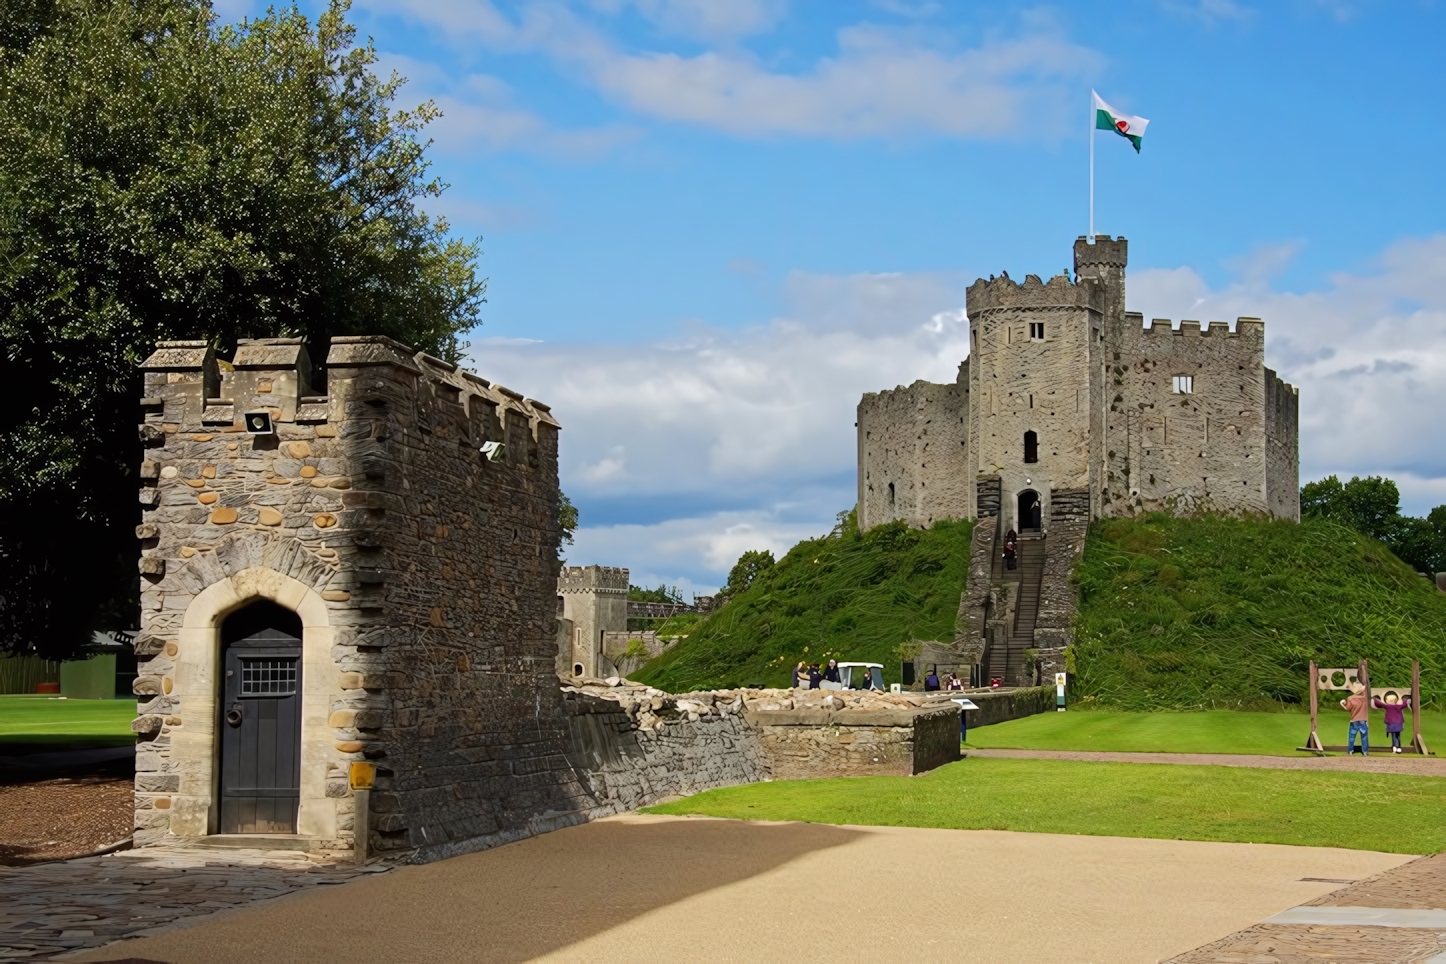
(165, 177)
(566, 517)
(1370, 505)
(748, 568)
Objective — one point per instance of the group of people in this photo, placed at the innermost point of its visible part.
(1011, 548)
(811, 675)
(931, 682)
(1359, 707)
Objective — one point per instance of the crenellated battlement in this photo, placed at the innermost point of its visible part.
(1003, 292)
(1249, 327)
(1104, 252)
(189, 388)
(608, 579)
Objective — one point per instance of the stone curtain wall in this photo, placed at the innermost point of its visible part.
(1282, 448)
(1203, 451)
(916, 439)
(1069, 523)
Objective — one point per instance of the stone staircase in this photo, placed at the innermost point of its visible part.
(1006, 661)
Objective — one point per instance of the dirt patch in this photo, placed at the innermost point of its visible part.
(64, 817)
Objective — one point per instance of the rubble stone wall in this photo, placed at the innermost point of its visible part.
(913, 454)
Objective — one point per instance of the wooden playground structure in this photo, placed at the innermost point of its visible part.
(1343, 679)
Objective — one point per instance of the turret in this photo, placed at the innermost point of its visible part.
(1105, 260)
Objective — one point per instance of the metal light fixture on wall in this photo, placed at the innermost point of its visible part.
(259, 423)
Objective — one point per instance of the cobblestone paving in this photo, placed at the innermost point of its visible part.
(1419, 885)
(50, 909)
(1414, 766)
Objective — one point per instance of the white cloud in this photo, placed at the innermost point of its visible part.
(1368, 354)
(881, 81)
(719, 20)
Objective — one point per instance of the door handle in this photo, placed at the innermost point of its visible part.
(233, 715)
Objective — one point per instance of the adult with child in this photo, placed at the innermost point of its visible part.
(1395, 713)
(1360, 711)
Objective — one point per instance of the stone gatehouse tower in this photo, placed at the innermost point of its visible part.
(591, 601)
(1064, 391)
(354, 582)
(1068, 409)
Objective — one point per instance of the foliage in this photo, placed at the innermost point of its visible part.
(846, 595)
(566, 517)
(1215, 612)
(748, 568)
(1170, 802)
(1372, 506)
(165, 177)
(663, 594)
(1273, 733)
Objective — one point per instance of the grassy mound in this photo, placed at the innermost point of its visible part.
(845, 596)
(1212, 612)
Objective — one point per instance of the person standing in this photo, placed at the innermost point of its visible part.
(799, 672)
(931, 682)
(1360, 711)
(814, 676)
(954, 683)
(1395, 708)
(1010, 553)
(831, 674)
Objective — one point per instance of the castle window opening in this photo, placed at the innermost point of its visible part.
(1182, 384)
(1031, 447)
(891, 493)
(1036, 331)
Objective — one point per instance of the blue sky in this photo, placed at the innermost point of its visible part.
(710, 225)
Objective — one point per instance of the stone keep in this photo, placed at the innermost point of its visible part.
(1066, 395)
(424, 574)
(592, 601)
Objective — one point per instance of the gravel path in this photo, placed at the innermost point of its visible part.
(64, 817)
(1375, 763)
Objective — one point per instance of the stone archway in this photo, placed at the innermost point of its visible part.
(194, 748)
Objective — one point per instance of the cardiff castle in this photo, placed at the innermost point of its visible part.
(1069, 409)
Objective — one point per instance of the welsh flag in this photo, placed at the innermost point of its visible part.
(1109, 119)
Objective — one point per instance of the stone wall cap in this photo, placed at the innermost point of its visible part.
(270, 353)
(357, 351)
(180, 356)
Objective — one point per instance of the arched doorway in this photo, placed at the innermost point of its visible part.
(260, 721)
(1029, 514)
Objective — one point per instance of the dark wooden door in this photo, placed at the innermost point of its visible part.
(261, 734)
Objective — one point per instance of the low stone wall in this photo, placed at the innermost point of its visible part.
(636, 748)
(997, 707)
(821, 734)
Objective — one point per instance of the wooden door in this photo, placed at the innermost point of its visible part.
(261, 733)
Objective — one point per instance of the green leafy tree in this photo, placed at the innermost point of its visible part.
(663, 594)
(1370, 505)
(566, 517)
(749, 567)
(163, 176)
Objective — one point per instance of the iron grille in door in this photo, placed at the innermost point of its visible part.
(268, 677)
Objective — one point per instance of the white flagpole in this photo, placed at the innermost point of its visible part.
(1092, 167)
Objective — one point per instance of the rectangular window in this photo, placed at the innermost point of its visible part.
(268, 677)
(1182, 384)
(1036, 331)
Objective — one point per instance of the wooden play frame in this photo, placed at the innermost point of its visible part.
(1362, 673)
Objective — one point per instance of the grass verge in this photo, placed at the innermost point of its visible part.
(1275, 733)
(42, 721)
(1395, 814)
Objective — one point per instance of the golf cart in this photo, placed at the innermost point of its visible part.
(858, 676)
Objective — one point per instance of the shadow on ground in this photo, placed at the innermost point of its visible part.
(513, 903)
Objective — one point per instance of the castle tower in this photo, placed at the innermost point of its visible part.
(592, 600)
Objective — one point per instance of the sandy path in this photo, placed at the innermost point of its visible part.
(642, 887)
(1375, 763)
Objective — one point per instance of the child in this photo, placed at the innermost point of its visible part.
(1395, 709)
(1360, 711)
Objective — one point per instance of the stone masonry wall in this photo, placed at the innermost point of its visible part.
(594, 602)
(1202, 451)
(913, 456)
(427, 571)
(1282, 448)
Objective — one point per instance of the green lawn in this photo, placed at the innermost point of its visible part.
(1209, 731)
(1397, 814)
(38, 720)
